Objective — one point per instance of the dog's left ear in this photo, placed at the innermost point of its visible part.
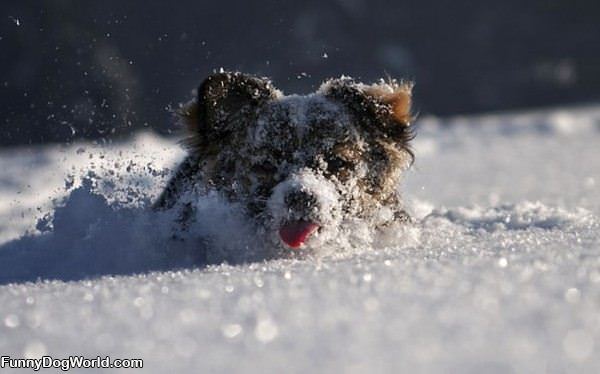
(224, 102)
(384, 107)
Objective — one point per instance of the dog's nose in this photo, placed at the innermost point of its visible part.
(300, 201)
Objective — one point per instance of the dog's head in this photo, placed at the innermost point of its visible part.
(303, 165)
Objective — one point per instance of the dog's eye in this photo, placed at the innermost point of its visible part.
(336, 163)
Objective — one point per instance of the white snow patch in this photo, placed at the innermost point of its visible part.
(499, 272)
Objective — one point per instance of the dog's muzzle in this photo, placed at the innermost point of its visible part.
(301, 206)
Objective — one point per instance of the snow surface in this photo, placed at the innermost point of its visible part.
(500, 272)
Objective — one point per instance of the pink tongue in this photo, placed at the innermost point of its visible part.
(294, 234)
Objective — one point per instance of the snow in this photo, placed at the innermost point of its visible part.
(499, 273)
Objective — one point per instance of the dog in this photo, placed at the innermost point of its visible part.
(300, 166)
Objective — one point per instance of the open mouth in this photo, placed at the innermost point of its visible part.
(296, 233)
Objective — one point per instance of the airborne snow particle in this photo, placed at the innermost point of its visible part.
(266, 330)
(572, 295)
(232, 330)
(11, 321)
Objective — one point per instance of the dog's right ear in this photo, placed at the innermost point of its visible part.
(224, 102)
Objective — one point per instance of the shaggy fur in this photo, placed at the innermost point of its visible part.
(327, 157)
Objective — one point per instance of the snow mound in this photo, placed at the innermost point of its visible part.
(522, 216)
(89, 234)
(86, 236)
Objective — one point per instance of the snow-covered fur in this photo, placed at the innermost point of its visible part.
(327, 158)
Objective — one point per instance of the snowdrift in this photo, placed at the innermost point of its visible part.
(499, 272)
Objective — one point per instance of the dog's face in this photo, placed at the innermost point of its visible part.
(303, 165)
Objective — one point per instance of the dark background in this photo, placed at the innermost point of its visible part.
(102, 69)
